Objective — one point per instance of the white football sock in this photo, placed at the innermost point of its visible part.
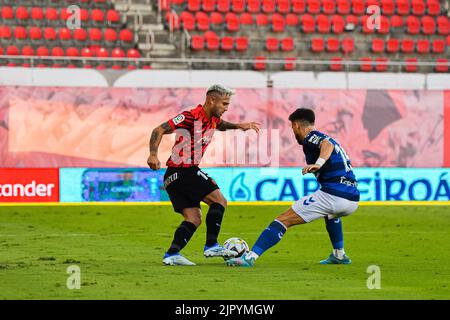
(339, 253)
(251, 255)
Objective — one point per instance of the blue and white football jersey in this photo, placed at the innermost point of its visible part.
(336, 176)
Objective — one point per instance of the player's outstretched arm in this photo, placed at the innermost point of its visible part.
(326, 148)
(155, 140)
(225, 125)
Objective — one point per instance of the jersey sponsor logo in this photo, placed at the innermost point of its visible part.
(170, 179)
(315, 139)
(178, 119)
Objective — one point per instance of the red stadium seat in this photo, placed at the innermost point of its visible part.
(366, 64)
(202, 21)
(35, 33)
(5, 33)
(208, 5)
(287, 44)
(64, 35)
(337, 24)
(428, 25)
(373, 3)
(223, 6)
(110, 36)
(407, 45)
(358, 7)
(216, 20)
(49, 34)
(308, 23)
(197, 43)
(313, 6)
(418, 7)
(20, 33)
(262, 20)
(212, 41)
(348, 45)
(51, 15)
(317, 45)
(187, 21)
(95, 35)
(37, 15)
(278, 23)
(57, 52)
(113, 18)
(403, 8)
(126, 37)
(173, 21)
(7, 14)
(253, 6)
(328, 6)
(289, 63)
(87, 53)
(433, 7)
(22, 15)
(72, 52)
(333, 45)
(298, 6)
(392, 45)
(377, 45)
(441, 65)
(351, 22)
(381, 64)
(117, 53)
(336, 64)
(260, 63)
(246, 19)
(102, 53)
(443, 25)
(241, 43)
(387, 7)
(438, 46)
(368, 26)
(396, 21)
(80, 36)
(283, 6)
(384, 25)
(42, 52)
(12, 51)
(27, 51)
(272, 44)
(412, 25)
(97, 16)
(343, 7)
(268, 6)
(238, 6)
(423, 46)
(232, 22)
(133, 53)
(323, 24)
(411, 65)
(194, 5)
(227, 43)
(292, 20)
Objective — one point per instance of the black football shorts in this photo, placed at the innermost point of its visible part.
(187, 187)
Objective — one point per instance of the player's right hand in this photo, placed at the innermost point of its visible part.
(153, 162)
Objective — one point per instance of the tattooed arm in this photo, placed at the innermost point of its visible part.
(155, 140)
(224, 125)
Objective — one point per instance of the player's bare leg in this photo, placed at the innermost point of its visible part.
(192, 220)
(268, 238)
(217, 204)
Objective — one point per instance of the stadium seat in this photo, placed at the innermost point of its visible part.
(37, 16)
(384, 25)
(262, 20)
(337, 24)
(253, 6)
(278, 23)
(110, 37)
(333, 44)
(367, 26)
(407, 45)
(387, 7)
(366, 64)
(241, 43)
(194, 5)
(428, 25)
(423, 46)
(97, 17)
(298, 6)
(411, 65)
(317, 45)
(438, 46)
(238, 6)
(433, 7)
(12, 51)
(343, 7)
(329, 6)
(22, 15)
(283, 6)
(358, 7)
(272, 44)
(348, 45)
(20, 34)
(7, 15)
(381, 64)
(443, 25)
(133, 53)
(418, 7)
(313, 6)
(126, 38)
(217, 19)
(308, 23)
(260, 63)
(212, 41)
(412, 25)
(403, 8)
(268, 6)
(208, 5)
(289, 63)
(227, 43)
(113, 18)
(95, 36)
(27, 51)
(323, 24)
(246, 19)
(50, 34)
(223, 6)
(72, 52)
(187, 20)
(80, 36)
(441, 65)
(65, 35)
(57, 52)
(202, 21)
(377, 45)
(35, 34)
(292, 20)
(397, 23)
(392, 45)
(173, 21)
(287, 44)
(42, 51)
(232, 22)
(336, 64)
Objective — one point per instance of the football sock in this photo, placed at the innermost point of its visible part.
(269, 237)
(334, 228)
(213, 222)
(182, 236)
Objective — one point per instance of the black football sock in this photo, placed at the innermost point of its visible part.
(182, 236)
(213, 222)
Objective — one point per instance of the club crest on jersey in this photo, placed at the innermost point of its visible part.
(178, 119)
(314, 139)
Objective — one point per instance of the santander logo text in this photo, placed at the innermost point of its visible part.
(29, 185)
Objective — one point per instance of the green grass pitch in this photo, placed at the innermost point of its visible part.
(119, 251)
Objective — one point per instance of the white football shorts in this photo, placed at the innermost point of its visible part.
(321, 204)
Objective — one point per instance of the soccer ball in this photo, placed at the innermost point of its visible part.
(236, 244)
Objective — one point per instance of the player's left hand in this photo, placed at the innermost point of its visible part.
(249, 125)
(310, 168)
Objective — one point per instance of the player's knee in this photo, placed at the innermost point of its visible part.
(197, 221)
(224, 202)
